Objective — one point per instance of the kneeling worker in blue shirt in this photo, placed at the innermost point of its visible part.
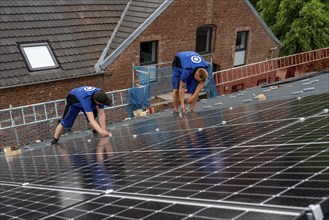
(190, 70)
(90, 100)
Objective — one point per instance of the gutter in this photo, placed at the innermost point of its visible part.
(48, 81)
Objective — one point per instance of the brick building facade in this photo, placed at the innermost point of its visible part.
(79, 33)
(175, 30)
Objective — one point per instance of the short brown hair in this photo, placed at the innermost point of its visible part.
(203, 74)
(102, 98)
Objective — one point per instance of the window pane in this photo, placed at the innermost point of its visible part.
(39, 57)
(148, 53)
(239, 58)
(148, 56)
(240, 48)
(203, 40)
(241, 40)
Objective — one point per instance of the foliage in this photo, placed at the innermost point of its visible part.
(254, 2)
(268, 10)
(301, 25)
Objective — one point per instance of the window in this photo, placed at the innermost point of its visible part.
(238, 87)
(38, 56)
(216, 67)
(203, 40)
(148, 56)
(261, 82)
(240, 48)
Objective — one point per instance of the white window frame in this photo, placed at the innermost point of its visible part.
(241, 48)
(152, 61)
(38, 56)
(208, 44)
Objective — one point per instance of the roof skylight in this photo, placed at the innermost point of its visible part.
(39, 56)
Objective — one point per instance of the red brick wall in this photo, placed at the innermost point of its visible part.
(175, 29)
(279, 69)
(25, 135)
(42, 92)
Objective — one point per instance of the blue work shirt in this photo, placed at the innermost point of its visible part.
(84, 95)
(190, 61)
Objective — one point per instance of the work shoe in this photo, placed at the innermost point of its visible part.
(175, 113)
(54, 141)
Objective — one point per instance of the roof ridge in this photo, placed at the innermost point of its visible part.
(108, 45)
(103, 63)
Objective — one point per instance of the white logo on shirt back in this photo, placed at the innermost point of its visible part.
(196, 59)
(89, 88)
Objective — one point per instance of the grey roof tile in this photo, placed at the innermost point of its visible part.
(77, 31)
(134, 18)
(70, 27)
(4, 82)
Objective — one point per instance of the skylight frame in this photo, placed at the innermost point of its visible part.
(34, 51)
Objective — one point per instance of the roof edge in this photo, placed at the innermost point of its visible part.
(133, 36)
(262, 22)
(106, 49)
(53, 80)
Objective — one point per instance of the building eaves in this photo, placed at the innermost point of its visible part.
(50, 76)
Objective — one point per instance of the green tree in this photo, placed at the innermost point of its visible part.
(301, 25)
(268, 10)
(254, 3)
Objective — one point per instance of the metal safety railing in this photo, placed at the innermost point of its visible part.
(265, 67)
(13, 118)
(29, 114)
(159, 76)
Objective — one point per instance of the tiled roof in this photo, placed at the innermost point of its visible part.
(77, 31)
(136, 18)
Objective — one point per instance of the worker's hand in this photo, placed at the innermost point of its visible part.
(190, 100)
(183, 108)
(105, 133)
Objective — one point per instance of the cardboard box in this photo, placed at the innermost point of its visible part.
(261, 97)
(12, 151)
(140, 113)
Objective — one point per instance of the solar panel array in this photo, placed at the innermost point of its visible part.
(266, 160)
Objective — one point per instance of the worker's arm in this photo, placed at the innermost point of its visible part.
(181, 93)
(95, 125)
(196, 93)
(102, 118)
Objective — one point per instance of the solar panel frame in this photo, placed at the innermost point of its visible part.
(269, 160)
